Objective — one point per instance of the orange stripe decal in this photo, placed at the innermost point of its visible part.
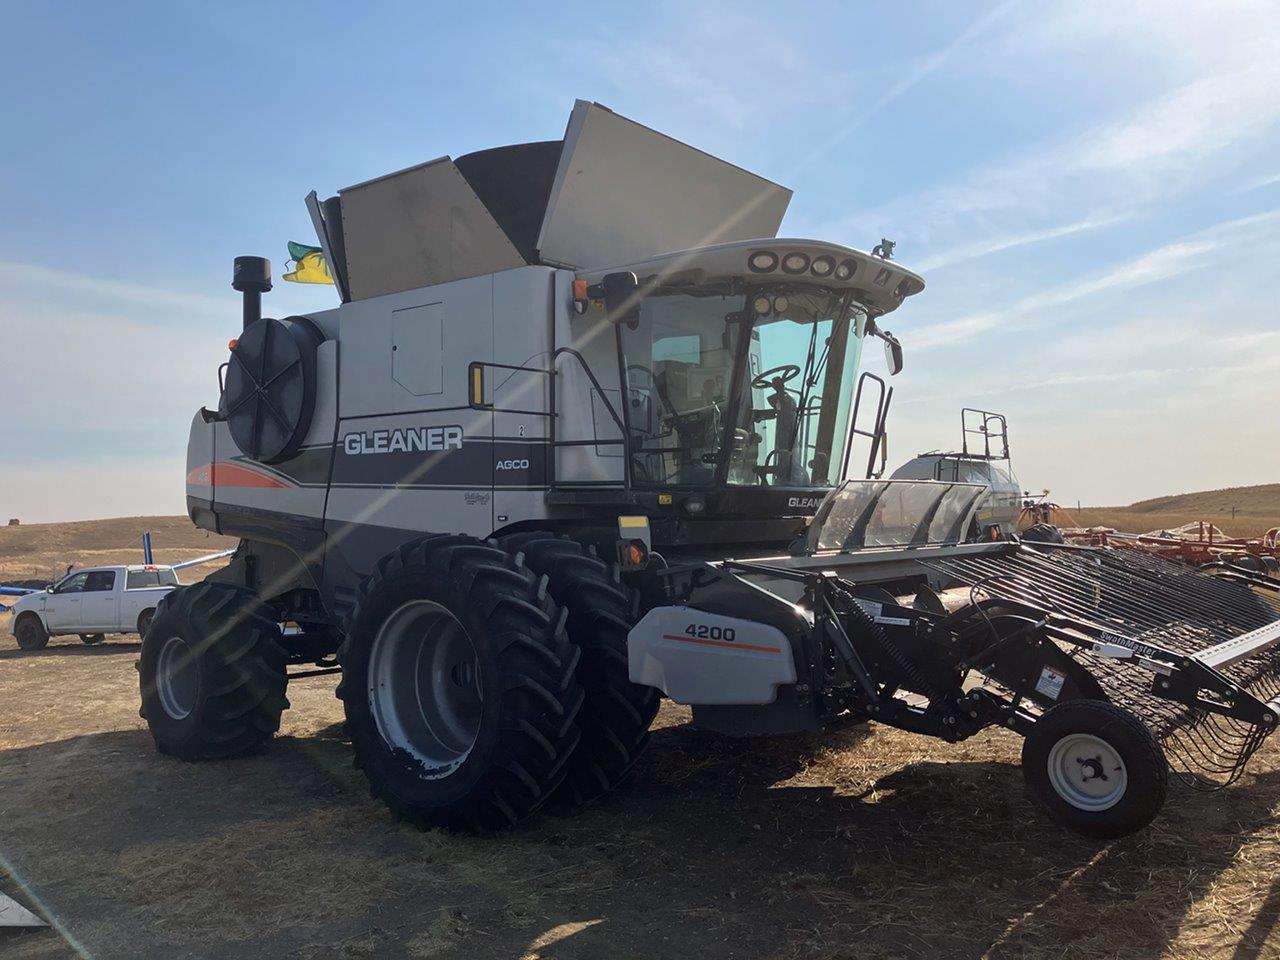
(732, 645)
(225, 474)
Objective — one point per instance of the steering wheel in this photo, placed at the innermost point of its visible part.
(786, 373)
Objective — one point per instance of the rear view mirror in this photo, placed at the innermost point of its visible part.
(619, 291)
(892, 353)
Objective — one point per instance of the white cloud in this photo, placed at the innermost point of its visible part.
(1000, 243)
(1186, 118)
(1193, 252)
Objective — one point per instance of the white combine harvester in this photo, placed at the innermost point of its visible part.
(573, 440)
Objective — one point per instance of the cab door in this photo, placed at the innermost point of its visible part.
(62, 606)
(99, 604)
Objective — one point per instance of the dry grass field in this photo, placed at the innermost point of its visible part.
(1257, 509)
(866, 843)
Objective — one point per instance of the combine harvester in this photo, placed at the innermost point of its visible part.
(574, 439)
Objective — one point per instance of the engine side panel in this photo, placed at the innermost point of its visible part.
(696, 657)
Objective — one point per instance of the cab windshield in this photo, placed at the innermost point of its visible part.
(749, 388)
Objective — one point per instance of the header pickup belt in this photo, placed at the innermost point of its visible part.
(1215, 642)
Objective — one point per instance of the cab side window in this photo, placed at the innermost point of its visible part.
(73, 584)
(100, 581)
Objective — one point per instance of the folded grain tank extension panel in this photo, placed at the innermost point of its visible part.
(417, 228)
(613, 191)
(624, 193)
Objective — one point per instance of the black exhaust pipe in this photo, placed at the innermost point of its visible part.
(252, 277)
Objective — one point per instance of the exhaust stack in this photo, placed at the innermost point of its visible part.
(252, 277)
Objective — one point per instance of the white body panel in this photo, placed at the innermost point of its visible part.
(704, 658)
(73, 609)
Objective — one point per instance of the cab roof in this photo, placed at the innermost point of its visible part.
(880, 284)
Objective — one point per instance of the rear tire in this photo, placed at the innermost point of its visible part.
(458, 685)
(1096, 767)
(30, 632)
(212, 673)
(144, 623)
(616, 713)
(90, 639)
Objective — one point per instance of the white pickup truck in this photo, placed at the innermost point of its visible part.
(92, 603)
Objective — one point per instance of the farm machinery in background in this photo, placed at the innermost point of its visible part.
(1194, 543)
(574, 440)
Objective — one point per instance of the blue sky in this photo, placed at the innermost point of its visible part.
(1091, 191)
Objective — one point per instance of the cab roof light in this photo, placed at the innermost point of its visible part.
(846, 270)
(795, 263)
(822, 266)
(763, 261)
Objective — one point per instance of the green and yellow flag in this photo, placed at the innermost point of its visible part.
(309, 264)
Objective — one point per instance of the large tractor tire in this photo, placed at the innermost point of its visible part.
(30, 632)
(212, 673)
(1096, 767)
(458, 685)
(616, 713)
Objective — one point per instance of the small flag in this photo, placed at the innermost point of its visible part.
(309, 264)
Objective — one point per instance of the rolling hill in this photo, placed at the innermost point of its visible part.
(1256, 509)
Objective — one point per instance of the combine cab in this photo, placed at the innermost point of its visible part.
(574, 439)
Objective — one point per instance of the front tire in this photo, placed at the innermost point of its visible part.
(212, 673)
(1096, 767)
(30, 633)
(458, 685)
(616, 713)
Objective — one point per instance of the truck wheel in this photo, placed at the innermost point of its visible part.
(616, 713)
(30, 632)
(1096, 767)
(458, 685)
(212, 673)
(89, 639)
(144, 623)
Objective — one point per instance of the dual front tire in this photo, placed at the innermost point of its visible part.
(484, 681)
(459, 685)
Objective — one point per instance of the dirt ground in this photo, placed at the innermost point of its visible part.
(869, 843)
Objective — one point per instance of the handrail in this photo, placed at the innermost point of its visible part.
(595, 383)
(877, 431)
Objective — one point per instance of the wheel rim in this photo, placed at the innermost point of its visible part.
(177, 681)
(1087, 772)
(424, 687)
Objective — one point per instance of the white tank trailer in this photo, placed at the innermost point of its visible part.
(575, 439)
(984, 462)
